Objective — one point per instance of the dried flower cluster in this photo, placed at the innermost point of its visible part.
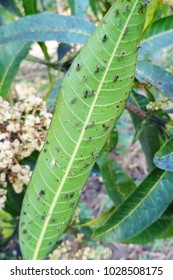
(75, 250)
(2, 197)
(23, 128)
(160, 104)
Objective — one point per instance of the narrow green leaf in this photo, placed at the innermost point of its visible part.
(30, 7)
(159, 37)
(47, 26)
(11, 55)
(152, 10)
(156, 77)
(90, 101)
(162, 228)
(163, 159)
(149, 136)
(142, 208)
(78, 7)
(160, 26)
(118, 184)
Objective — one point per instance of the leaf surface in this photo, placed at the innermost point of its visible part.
(90, 100)
(163, 159)
(142, 208)
(156, 77)
(47, 26)
(118, 184)
(11, 55)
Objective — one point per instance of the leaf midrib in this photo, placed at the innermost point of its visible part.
(38, 246)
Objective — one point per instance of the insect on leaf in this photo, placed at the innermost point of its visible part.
(84, 115)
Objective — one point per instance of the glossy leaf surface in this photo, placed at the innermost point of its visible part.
(11, 55)
(142, 208)
(163, 159)
(117, 182)
(92, 97)
(47, 26)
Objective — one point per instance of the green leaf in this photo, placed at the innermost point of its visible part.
(142, 208)
(47, 26)
(11, 55)
(90, 101)
(159, 37)
(152, 10)
(10, 6)
(160, 26)
(162, 228)
(118, 184)
(30, 7)
(156, 77)
(7, 226)
(149, 135)
(163, 159)
(78, 7)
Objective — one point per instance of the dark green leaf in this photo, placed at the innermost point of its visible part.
(156, 77)
(11, 55)
(78, 7)
(30, 7)
(163, 159)
(142, 208)
(148, 131)
(118, 184)
(47, 26)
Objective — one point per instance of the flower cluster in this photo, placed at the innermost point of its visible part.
(160, 104)
(74, 250)
(2, 197)
(23, 128)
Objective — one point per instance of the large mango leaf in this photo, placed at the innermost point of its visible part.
(148, 132)
(92, 97)
(159, 37)
(162, 228)
(11, 55)
(47, 26)
(156, 77)
(117, 182)
(164, 157)
(141, 209)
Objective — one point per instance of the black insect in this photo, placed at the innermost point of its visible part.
(106, 127)
(84, 79)
(104, 38)
(86, 165)
(72, 194)
(42, 192)
(92, 92)
(146, 2)
(138, 47)
(121, 55)
(72, 205)
(86, 94)
(116, 77)
(47, 142)
(78, 66)
(73, 100)
(97, 69)
(66, 196)
(116, 12)
(126, 8)
(22, 224)
(126, 31)
(25, 231)
(89, 139)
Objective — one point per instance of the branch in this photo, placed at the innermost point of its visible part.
(143, 115)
